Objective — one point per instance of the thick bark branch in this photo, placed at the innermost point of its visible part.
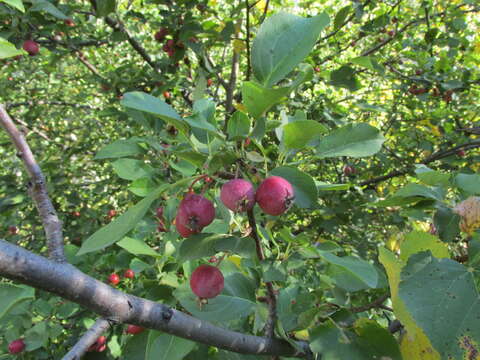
(37, 189)
(70, 283)
(88, 339)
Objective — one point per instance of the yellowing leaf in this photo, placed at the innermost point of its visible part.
(418, 241)
(261, 5)
(240, 107)
(237, 260)
(423, 349)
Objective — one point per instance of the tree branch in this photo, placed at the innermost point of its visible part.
(88, 339)
(43, 102)
(272, 301)
(37, 189)
(70, 283)
(373, 305)
(247, 8)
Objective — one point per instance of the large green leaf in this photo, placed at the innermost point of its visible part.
(144, 102)
(17, 4)
(48, 7)
(137, 247)
(282, 42)
(447, 223)
(352, 273)
(344, 77)
(8, 50)
(203, 245)
(469, 183)
(258, 99)
(366, 341)
(118, 228)
(222, 308)
(238, 126)
(105, 7)
(10, 295)
(118, 149)
(299, 133)
(355, 140)
(443, 300)
(163, 346)
(306, 193)
(131, 169)
(412, 193)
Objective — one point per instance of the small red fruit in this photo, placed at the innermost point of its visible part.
(247, 142)
(134, 329)
(76, 214)
(160, 212)
(238, 195)
(348, 170)
(31, 47)
(69, 22)
(16, 346)
(166, 95)
(461, 153)
(102, 348)
(391, 33)
(275, 195)
(212, 260)
(160, 35)
(418, 72)
(209, 82)
(112, 213)
(317, 69)
(114, 279)
(13, 230)
(194, 213)
(102, 340)
(353, 43)
(129, 274)
(207, 281)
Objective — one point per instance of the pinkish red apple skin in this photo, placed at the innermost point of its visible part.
(194, 213)
(31, 47)
(275, 195)
(16, 346)
(207, 281)
(238, 195)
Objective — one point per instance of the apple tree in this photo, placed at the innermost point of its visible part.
(239, 179)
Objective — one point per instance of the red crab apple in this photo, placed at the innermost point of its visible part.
(209, 82)
(112, 213)
(134, 329)
(13, 230)
(193, 214)
(31, 47)
(348, 170)
(207, 281)
(16, 346)
(160, 35)
(129, 274)
(238, 195)
(275, 195)
(99, 345)
(69, 22)
(114, 279)
(461, 153)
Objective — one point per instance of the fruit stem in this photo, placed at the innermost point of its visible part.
(190, 189)
(271, 299)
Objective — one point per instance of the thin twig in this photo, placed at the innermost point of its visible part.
(87, 339)
(37, 189)
(377, 303)
(272, 301)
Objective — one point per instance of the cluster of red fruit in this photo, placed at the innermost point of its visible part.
(170, 45)
(114, 279)
(99, 346)
(415, 90)
(274, 196)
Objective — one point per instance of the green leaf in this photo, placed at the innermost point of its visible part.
(412, 193)
(469, 183)
(131, 169)
(144, 102)
(367, 340)
(323, 186)
(418, 241)
(431, 177)
(306, 194)
(163, 346)
(299, 133)
(44, 5)
(203, 245)
(142, 187)
(447, 223)
(118, 149)
(117, 229)
(370, 63)
(341, 16)
(135, 346)
(137, 247)
(17, 4)
(238, 126)
(11, 295)
(443, 300)
(36, 337)
(259, 99)
(8, 50)
(357, 273)
(344, 77)
(105, 7)
(355, 140)
(221, 309)
(237, 284)
(282, 42)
